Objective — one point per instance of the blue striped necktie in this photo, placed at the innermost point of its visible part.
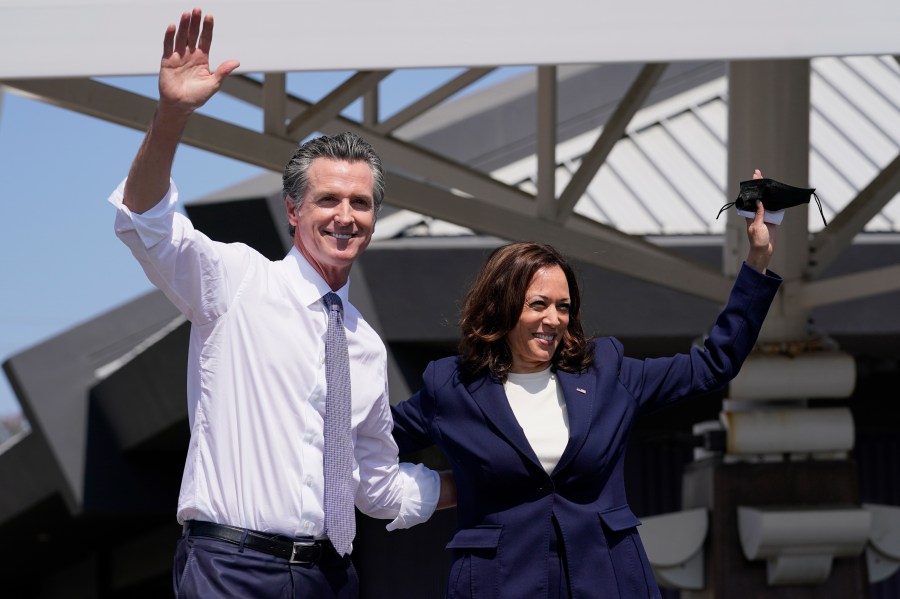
(340, 517)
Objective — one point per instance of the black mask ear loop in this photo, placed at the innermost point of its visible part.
(819, 204)
(724, 208)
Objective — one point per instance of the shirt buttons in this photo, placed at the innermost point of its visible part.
(308, 481)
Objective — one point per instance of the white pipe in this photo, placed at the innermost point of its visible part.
(789, 430)
(823, 374)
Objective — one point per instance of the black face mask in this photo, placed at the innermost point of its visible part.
(774, 195)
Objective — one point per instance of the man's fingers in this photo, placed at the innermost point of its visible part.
(206, 34)
(225, 69)
(194, 29)
(182, 34)
(757, 174)
(168, 40)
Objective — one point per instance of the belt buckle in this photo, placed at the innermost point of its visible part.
(309, 559)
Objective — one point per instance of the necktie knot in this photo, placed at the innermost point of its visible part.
(333, 301)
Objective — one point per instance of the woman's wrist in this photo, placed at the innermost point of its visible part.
(758, 261)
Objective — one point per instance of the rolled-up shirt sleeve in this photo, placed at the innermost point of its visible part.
(422, 488)
(150, 227)
(388, 489)
(186, 265)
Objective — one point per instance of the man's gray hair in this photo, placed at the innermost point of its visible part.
(343, 146)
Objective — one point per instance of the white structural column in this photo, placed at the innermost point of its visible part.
(778, 451)
(768, 128)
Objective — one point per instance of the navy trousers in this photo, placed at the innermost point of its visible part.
(212, 569)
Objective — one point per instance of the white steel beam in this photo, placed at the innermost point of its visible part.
(644, 261)
(116, 37)
(431, 99)
(274, 105)
(848, 287)
(506, 218)
(309, 121)
(827, 244)
(133, 110)
(403, 156)
(546, 142)
(612, 132)
(371, 101)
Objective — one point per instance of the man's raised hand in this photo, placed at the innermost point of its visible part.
(185, 80)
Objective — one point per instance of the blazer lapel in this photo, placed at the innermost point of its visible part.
(491, 398)
(579, 398)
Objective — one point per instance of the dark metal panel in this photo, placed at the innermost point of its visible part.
(28, 475)
(52, 380)
(146, 397)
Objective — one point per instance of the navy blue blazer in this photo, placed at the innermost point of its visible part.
(506, 500)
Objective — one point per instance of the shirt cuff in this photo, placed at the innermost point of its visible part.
(421, 491)
(151, 226)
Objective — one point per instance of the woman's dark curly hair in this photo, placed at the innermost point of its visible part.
(494, 304)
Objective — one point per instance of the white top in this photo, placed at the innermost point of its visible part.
(539, 406)
(256, 384)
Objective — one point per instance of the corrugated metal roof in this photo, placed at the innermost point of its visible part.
(666, 176)
(673, 157)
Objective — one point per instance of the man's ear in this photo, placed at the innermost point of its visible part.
(289, 208)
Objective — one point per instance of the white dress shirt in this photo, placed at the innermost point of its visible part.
(256, 384)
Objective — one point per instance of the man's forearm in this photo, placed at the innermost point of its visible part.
(148, 179)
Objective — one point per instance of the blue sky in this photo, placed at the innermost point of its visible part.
(60, 262)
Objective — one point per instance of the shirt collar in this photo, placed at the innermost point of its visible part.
(310, 285)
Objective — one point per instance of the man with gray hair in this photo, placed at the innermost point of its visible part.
(287, 387)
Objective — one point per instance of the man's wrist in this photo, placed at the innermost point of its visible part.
(172, 115)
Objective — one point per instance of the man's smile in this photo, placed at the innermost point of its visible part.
(341, 235)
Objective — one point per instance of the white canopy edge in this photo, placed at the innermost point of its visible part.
(66, 38)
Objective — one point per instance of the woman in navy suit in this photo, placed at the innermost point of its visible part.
(534, 421)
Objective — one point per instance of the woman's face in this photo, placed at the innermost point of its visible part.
(543, 321)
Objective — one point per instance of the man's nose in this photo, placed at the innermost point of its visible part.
(343, 214)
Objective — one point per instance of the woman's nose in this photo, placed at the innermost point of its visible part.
(551, 317)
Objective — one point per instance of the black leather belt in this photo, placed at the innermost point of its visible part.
(297, 552)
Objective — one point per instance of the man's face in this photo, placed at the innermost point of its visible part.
(335, 221)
